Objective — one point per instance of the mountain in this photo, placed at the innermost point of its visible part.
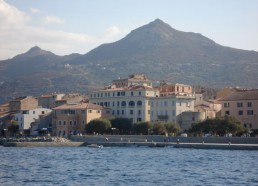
(156, 49)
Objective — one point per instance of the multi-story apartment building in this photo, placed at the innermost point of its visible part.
(72, 118)
(170, 108)
(25, 117)
(136, 99)
(23, 103)
(130, 102)
(243, 105)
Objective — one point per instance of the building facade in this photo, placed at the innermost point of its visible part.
(70, 119)
(243, 105)
(23, 103)
(169, 108)
(135, 98)
(131, 102)
(26, 117)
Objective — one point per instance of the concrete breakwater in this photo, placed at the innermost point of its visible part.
(141, 140)
(161, 138)
(43, 144)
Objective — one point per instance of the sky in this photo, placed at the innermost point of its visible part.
(66, 26)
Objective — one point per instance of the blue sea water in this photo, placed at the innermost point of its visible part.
(126, 166)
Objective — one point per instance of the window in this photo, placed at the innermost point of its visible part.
(60, 122)
(118, 103)
(140, 93)
(227, 113)
(250, 112)
(131, 93)
(42, 112)
(33, 112)
(173, 103)
(122, 93)
(239, 104)
(249, 104)
(64, 122)
(240, 112)
(118, 93)
(139, 103)
(123, 104)
(83, 111)
(74, 122)
(149, 112)
(139, 112)
(117, 112)
(226, 105)
(123, 112)
(71, 122)
(165, 103)
(98, 111)
(131, 103)
(131, 112)
(89, 111)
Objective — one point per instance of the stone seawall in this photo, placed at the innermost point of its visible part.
(43, 144)
(160, 138)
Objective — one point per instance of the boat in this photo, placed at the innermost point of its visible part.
(95, 146)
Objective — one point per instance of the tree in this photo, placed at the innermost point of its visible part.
(98, 125)
(172, 128)
(124, 125)
(159, 128)
(219, 126)
(13, 128)
(142, 128)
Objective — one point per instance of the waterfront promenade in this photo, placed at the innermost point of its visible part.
(233, 143)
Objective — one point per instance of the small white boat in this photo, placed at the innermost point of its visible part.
(95, 146)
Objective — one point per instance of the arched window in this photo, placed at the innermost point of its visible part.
(123, 104)
(139, 103)
(131, 103)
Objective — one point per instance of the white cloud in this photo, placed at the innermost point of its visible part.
(112, 32)
(34, 10)
(52, 20)
(19, 36)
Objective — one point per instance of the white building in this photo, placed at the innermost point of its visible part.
(26, 117)
(168, 108)
(136, 99)
(130, 102)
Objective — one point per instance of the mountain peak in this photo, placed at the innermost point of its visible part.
(35, 49)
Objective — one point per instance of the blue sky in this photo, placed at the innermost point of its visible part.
(66, 26)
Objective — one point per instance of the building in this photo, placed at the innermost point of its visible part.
(243, 105)
(4, 108)
(170, 108)
(49, 101)
(135, 98)
(177, 89)
(129, 102)
(134, 79)
(23, 103)
(70, 119)
(26, 117)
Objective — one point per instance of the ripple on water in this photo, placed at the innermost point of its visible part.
(126, 166)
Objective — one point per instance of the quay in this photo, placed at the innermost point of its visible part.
(232, 143)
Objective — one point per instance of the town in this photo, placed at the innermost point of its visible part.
(133, 99)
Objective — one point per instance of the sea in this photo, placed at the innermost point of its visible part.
(126, 166)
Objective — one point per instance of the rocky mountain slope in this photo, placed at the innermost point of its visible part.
(155, 49)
